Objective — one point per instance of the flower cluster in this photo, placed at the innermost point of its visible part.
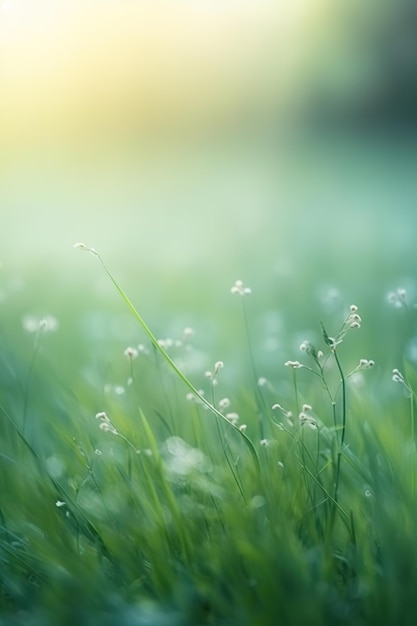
(398, 298)
(240, 289)
(45, 324)
(306, 419)
(293, 364)
(397, 377)
(105, 423)
(353, 320)
(213, 374)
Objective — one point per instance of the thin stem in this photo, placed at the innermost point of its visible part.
(29, 378)
(342, 439)
(172, 365)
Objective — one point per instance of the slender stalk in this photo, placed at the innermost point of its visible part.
(171, 363)
(29, 378)
(343, 430)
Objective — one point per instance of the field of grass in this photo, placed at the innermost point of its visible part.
(249, 460)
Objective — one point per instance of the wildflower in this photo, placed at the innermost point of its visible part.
(131, 353)
(60, 504)
(224, 403)
(398, 298)
(218, 366)
(233, 418)
(353, 320)
(265, 443)
(240, 289)
(278, 407)
(397, 377)
(105, 423)
(243, 428)
(165, 344)
(45, 324)
(82, 246)
(366, 364)
(307, 420)
(293, 364)
(262, 381)
(212, 374)
(108, 428)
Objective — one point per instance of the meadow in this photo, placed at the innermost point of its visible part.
(220, 453)
(207, 407)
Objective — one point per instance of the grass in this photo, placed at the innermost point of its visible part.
(137, 488)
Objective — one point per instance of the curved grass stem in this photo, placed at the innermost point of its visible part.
(170, 362)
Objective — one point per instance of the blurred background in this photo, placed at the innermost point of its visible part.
(199, 141)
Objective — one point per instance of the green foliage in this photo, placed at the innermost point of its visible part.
(290, 501)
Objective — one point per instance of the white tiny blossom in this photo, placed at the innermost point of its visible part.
(240, 289)
(131, 353)
(278, 407)
(397, 377)
(105, 423)
(307, 420)
(59, 503)
(366, 364)
(398, 298)
(218, 366)
(243, 428)
(82, 246)
(224, 403)
(293, 364)
(264, 443)
(108, 427)
(33, 324)
(233, 417)
(262, 381)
